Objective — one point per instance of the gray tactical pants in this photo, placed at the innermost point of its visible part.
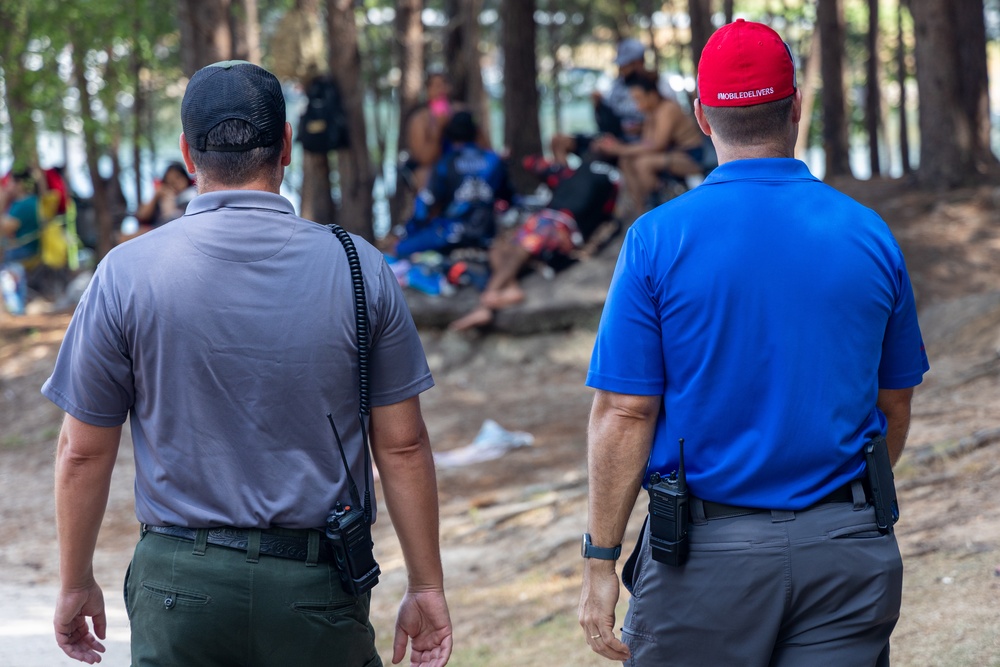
(778, 589)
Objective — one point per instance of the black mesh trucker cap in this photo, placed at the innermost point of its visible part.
(233, 89)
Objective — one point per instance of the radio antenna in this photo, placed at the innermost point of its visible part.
(681, 477)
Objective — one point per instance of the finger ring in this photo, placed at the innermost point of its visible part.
(594, 636)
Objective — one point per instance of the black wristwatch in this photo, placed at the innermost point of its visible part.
(601, 553)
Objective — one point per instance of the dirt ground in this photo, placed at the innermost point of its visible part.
(510, 527)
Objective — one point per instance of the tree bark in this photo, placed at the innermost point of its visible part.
(835, 136)
(464, 59)
(354, 162)
(244, 27)
(810, 83)
(873, 97)
(316, 200)
(206, 37)
(522, 133)
(102, 208)
(727, 10)
(700, 13)
(902, 75)
(408, 54)
(949, 47)
(973, 76)
(17, 87)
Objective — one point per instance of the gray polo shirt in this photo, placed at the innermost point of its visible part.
(227, 336)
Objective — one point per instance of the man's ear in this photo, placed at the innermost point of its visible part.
(186, 154)
(699, 115)
(797, 106)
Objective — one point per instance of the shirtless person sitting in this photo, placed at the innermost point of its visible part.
(671, 142)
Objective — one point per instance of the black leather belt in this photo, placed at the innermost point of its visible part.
(294, 547)
(721, 511)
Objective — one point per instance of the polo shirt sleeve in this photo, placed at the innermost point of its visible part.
(398, 366)
(904, 359)
(628, 353)
(92, 379)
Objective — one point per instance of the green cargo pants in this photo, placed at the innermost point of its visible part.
(218, 608)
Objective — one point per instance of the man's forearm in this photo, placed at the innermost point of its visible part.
(895, 405)
(84, 461)
(619, 439)
(410, 487)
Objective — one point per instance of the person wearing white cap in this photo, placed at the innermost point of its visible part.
(616, 113)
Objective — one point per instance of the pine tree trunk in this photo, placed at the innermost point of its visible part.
(835, 137)
(464, 59)
(102, 205)
(408, 55)
(950, 79)
(810, 83)
(522, 133)
(727, 10)
(244, 26)
(873, 97)
(700, 12)
(17, 87)
(973, 79)
(353, 162)
(206, 37)
(901, 76)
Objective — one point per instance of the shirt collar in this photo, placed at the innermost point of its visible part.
(771, 168)
(211, 201)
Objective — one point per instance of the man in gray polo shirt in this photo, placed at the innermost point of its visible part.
(228, 337)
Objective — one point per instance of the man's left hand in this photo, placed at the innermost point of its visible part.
(597, 610)
(72, 632)
(423, 617)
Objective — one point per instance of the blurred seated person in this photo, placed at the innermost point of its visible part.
(171, 198)
(19, 220)
(425, 141)
(20, 232)
(616, 113)
(671, 143)
(577, 221)
(455, 210)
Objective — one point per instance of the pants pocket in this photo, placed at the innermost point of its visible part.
(172, 597)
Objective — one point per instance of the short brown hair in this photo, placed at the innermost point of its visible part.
(751, 125)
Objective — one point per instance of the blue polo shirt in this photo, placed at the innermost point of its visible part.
(767, 309)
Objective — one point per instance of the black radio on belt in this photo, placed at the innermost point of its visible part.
(668, 515)
(350, 535)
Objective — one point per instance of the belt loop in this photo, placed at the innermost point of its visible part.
(143, 529)
(696, 508)
(253, 545)
(858, 495)
(780, 516)
(200, 542)
(312, 555)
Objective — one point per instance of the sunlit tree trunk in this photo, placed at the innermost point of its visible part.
(873, 97)
(522, 134)
(17, 90)
(408, 53)
(809, 85)
(835, 137)
(102, 206)
(902, 75)
(245, 29)
(353, 162)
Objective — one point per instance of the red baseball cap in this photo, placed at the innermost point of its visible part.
(744, 64)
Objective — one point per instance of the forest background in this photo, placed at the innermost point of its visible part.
(891, 87)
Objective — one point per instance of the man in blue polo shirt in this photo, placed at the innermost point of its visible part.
(769, 321)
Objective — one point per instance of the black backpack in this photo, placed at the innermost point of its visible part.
(323, 125)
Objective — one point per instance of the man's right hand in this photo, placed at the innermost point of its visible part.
(423, 618)
(73, 635)
(597, 610)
